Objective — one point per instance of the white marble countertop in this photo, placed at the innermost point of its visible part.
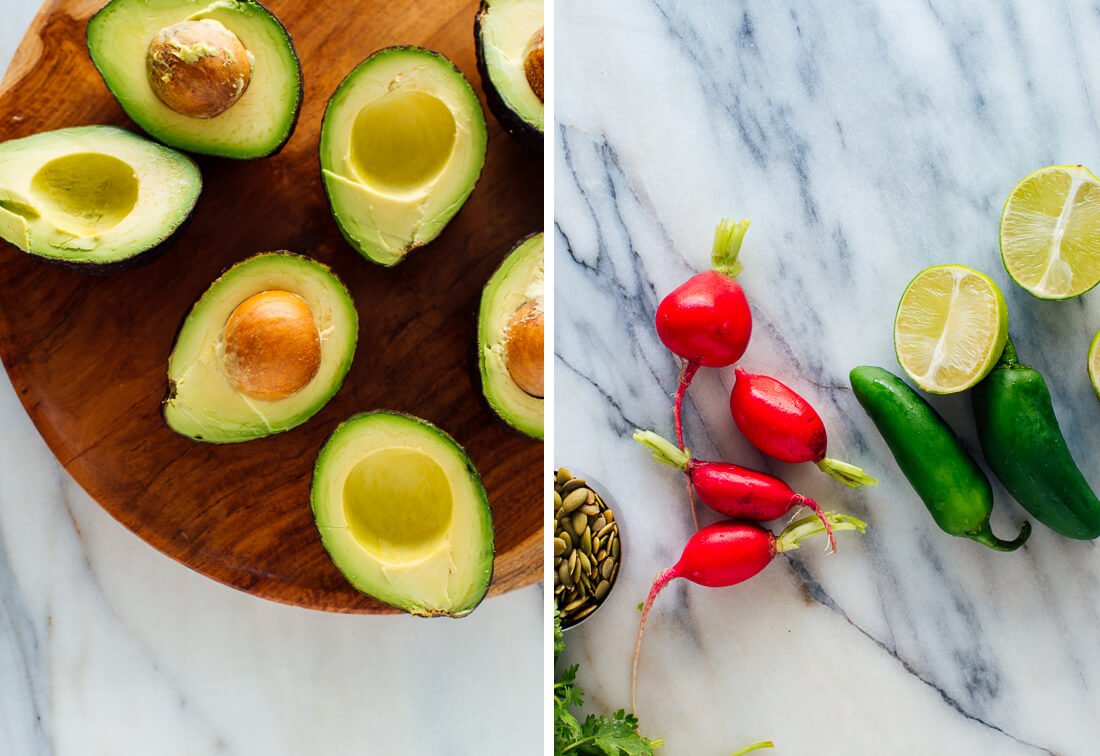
(866, 141)
(108, 647)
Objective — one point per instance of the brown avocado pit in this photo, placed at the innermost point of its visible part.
(272, 347)
(198, 68)
(523, 347)
(533, 62)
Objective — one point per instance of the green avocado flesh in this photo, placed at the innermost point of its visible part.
(256, 125)
(519, 279)
(402, 146)
(93, 195)
(203, 404)
(403, 514)
(505, 28)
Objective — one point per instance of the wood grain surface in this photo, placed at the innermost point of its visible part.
(88, 355)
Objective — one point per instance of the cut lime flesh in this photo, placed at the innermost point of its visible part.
(951, 326)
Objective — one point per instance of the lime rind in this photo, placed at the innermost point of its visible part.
(1050, 232)
(1094, 364)
(952, 345)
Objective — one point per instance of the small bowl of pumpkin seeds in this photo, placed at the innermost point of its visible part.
(587, 547)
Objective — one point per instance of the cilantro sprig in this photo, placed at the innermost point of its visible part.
(616, 735)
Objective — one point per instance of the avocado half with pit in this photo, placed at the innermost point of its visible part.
(93, 197)
(510, 338)
(262, 351)
(217, 78)
(402, 146)
(508, 36)
(403, 514)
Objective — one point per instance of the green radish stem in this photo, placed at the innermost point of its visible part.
(728, 236)
(663, 450)
(846, 473)
(754, 747)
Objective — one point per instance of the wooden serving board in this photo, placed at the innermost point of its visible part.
(88, 356)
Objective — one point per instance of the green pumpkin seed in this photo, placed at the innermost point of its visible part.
(563, 574)
(563, 476)
(575, 570)
(598, 523)
(586, 563)
(579, 523)
(602, 589)
(559, 547)
(576, 604)
(609, 515)
(615, 548)
(606, 529)
(565, 536)
(586, 541)
(606, 568)
(590, 509)
(573, 501)
(583, 613)
(573, 485)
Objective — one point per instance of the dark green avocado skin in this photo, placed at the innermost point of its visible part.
(528, 135)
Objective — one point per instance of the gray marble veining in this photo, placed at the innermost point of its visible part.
(866, 141)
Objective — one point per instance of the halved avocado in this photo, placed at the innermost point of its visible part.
(510, 338)
(402, 147)
(508, 36)
(93, 197)
(215, 77)
(262, 351)
(403, 514)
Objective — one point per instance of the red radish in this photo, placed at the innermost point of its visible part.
(733, 490)
(728, 553)
(783, 425)
(706, 320)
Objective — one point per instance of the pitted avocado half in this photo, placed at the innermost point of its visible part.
(402, 146)
(94, 197)
(403, 514)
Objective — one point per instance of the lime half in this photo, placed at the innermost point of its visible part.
(1050, 232)
(1094, 363)
(950, 329)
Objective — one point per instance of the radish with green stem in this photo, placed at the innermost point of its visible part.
(733, 490)
(706, 320)
(783, 425)
(728, 553)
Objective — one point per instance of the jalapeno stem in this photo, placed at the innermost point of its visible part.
(984, 535)
(1008, 356)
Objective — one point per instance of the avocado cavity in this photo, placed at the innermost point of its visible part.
(85, 194)
(398, 504)
(402, 141)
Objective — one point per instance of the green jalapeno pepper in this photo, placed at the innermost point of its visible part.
(1026, 450)
(933, 459)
